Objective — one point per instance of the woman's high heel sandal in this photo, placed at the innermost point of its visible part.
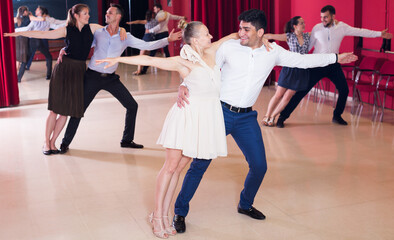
(169, 230)
(265, 120)
(162, 232)
(271, 122)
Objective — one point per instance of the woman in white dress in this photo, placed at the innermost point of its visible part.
(194, 131)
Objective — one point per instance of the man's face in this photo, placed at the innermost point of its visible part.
(249, 35)
(156, 9)
(327, 19)
(112, 16)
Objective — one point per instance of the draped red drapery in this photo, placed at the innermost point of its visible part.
(9, 94)
(221, 16)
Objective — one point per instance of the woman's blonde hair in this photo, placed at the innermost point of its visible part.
(189, 30)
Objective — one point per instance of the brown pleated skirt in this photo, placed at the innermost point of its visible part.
(66, 88)
(22, 49)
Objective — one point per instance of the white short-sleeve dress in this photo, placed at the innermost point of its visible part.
(198, 128)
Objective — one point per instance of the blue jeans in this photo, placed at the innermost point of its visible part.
(247, 134)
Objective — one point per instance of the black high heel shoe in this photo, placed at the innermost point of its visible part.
(56, 151)
(46, 152)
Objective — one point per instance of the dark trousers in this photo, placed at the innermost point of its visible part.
(335, 74)
(21, 71)
(247, 134)
(93, 83)
(41, 45)
(153, 52)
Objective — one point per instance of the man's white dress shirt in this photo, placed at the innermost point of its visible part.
(328, 39)
(163, 26)
(244, 70)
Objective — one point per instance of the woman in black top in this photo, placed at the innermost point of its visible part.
(66, 86)
(22, 43)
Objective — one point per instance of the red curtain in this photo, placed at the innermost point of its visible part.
(221, 16)
(9, 94)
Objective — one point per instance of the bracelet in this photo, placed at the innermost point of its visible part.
(336, 55)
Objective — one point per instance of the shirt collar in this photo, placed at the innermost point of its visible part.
(105, 29)
(332, 26)
(238, 43)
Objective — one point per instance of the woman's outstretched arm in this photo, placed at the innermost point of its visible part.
(169, 64)
(216, 45)
(137, 22)
(54, 34)
(279, 37)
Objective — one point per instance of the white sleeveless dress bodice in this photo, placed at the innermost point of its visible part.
(198, 128)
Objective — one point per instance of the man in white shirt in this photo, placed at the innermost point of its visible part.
(161, 30)
(326, 37)
(245, 65)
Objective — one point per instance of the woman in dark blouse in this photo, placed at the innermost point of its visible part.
(66, 86)
(22, 19)
(290, 79)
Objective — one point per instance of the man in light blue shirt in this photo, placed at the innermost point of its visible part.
(107, 43)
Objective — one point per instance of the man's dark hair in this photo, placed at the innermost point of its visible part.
(255, 17)
(119, 9)
(329, 8)
(158, 5)
(44, 10)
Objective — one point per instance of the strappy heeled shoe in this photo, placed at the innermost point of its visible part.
(169, 230)
(266, 120)
(271, 122)
(162, 233)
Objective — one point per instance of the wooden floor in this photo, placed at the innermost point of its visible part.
(324, 181)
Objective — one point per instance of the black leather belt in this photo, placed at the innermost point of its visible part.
(101, 74)
(236, 109)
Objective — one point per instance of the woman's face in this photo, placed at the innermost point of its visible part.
(300, 27)
(203, 38)
(83, 16)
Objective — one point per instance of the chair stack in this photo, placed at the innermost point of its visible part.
(385, 83)
(372, 76)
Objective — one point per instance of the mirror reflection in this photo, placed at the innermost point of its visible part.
(42, 16)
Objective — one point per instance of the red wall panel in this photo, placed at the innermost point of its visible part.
(282, 14)
(390, 22)
(373, 18)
